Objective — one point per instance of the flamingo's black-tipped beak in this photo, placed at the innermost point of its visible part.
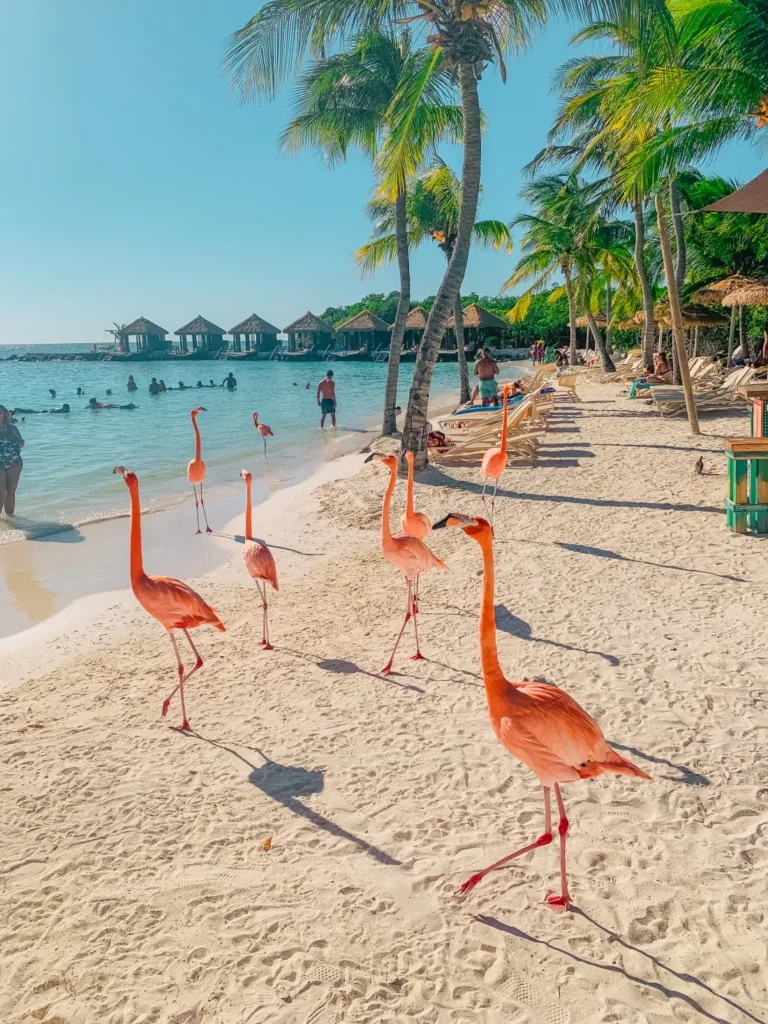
(442, 523)
(119, 469)
(370, 457)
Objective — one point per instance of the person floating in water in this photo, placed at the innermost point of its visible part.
(326, 399)
(109, 391)
(80, 391)
(94, 404)
(211, 384)
(30, 412)
(51, 392)
(132, 385)
(229, 381)
(181, 385)
(307, 386)
(199, 384)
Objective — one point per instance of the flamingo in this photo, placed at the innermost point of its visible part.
(539, 724)
(415, 524)
(196, 471)
(408, 554)
(495, 459)
(258, 561)
(171, 602)
(263, 429)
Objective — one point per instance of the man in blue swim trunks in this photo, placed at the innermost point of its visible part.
(326, 399)
(486, 369)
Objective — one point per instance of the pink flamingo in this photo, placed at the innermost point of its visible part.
(415, 524)
(171, 602)
(495, 459)
(196, 471)
(259, 562)
(537, 723)
(263, 429)
(408, 554)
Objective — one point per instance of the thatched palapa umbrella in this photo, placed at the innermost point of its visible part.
(718, 292)
(753, 294)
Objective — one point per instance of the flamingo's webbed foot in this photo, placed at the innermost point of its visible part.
(558, 904)
(464, 890)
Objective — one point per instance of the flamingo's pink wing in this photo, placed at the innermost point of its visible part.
(260, 563)
(411, 556)
(175, 604)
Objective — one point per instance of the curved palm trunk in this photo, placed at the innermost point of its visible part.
(676, 316)
(458, 318)
(649, 327)
(571, 313)
(389, 425)
(605, 359)
(677, 223)
(415, 431)
(731, 337)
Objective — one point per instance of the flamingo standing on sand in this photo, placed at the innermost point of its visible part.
(537, 723)
(408, 554)
(171, 602)
(415, 524)
(259, 562)
(495, 459)
(263, 429)
(196, 471)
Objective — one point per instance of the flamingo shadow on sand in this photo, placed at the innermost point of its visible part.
(348, 668)
(650, 982)
(511, 624)
(287, 783)
(687, 775)
(584, 549)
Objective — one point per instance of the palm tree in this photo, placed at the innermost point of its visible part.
(433, 202)
(472, 34)
(350, 100)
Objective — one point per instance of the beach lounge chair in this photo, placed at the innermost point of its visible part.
(670, 401)
(471, 435)
(567, 383)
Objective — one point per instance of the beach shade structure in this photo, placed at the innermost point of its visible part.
(718, 292)
(362, 335)
(753, 294)
(750, 198)
(600, 319)
(204, 336)
(149, 336)
(480, 326)
(309, 334)
(254, 335)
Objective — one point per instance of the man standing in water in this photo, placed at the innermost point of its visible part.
(326, 399)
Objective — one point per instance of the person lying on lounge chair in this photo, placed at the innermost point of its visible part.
(661, 373)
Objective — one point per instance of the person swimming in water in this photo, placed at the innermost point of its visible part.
(31, 412)
(229, 381)
(94, 404)
(162, 385)
(80, 391)
(154, 387)
(109, 391)
(51, 392)
(182, 385)
(211, 384)
(132, 385)
(199, 384)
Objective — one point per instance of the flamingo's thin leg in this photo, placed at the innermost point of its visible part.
(563, 901)
(265, 446)
(409, 611)
(183, 677)
(418, 656)
(482, 496)
(493, 497)
(197, 508)
(265, 618)
(207, 527)
(544, 840)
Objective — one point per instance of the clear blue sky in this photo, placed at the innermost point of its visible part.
(133, 183)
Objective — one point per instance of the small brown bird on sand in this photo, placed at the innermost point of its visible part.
(699, 466)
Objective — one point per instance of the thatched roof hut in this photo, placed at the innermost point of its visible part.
(149, 336)
(258, 334)
(364, 333)
(715, 293)
(307, 333)
(600, 319)
(751, 198)
(479, 325)
(204, 333)
(694, 315)
(416, 319)
(754, 294)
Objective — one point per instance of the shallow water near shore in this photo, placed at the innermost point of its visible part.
(62, 544)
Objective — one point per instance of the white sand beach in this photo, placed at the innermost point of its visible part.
(135, 886)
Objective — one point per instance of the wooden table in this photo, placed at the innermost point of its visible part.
(747, 501)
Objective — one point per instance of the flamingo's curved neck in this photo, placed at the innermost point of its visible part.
(409, 492)
(489, 655)
(248, 524)
(386, 533)
(198, 446)
(136, 561)
(503, 445)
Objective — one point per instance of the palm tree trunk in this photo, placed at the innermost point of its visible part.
(649, 327)
(389, 426)
(608, 315)
(571, 314)
(605, 359)
(676, 317)
(743, 341)
(731, 337)
(415, 430)
(458, 319)
(677, 223)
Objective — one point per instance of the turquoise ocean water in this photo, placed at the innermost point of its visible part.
(69, 458)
